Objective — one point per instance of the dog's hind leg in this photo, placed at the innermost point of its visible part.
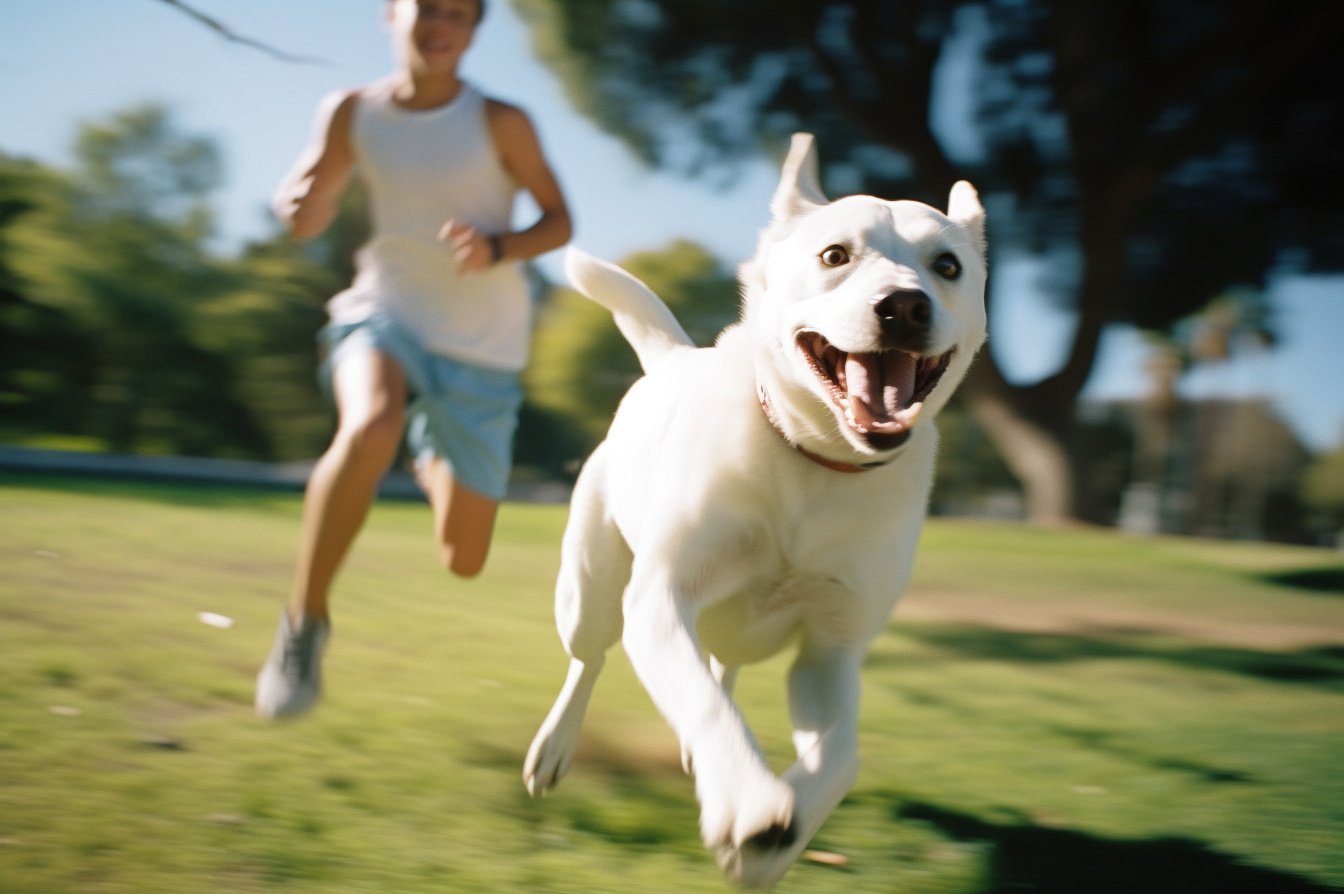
(594, 569)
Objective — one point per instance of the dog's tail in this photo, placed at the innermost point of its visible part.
(641, 315)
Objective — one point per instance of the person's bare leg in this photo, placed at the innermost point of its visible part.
(371, 401)
(464, 520)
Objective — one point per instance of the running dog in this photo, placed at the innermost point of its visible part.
(768, 491)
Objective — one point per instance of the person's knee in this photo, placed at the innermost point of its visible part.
(378, 434)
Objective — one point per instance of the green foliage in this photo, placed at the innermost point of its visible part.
(1060, 711)
(123, 329)
(969, 468)
(41, 349)
(266, 326)
(1323, 484)
(138, 166)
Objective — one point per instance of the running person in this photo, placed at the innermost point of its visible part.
(431, 335)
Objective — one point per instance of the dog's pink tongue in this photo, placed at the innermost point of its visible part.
(879, 386)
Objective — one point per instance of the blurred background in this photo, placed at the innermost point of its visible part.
(1167, 250)
(1058, 708)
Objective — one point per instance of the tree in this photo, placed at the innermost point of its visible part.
(1157, 152)
(121, 329)
(41, 349)
(1322, 490)
(130, 269)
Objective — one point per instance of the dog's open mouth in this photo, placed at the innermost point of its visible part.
(879, 394)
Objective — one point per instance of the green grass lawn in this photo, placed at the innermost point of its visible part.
(1058, 711)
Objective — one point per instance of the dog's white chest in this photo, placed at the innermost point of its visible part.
(768, 612)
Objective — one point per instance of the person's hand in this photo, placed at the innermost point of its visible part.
(471, 247)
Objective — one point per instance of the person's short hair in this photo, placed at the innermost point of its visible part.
(480, 9)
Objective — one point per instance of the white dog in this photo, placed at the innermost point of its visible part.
(765, 491)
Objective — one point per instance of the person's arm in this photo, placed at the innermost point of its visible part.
(520, 151)
(309, 196)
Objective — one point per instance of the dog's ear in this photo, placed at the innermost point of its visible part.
(799, 182)
(964, 207)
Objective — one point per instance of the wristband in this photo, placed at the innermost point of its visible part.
(496, 250)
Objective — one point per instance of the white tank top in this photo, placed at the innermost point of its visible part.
(422, 168)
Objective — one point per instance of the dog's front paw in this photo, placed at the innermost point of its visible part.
(759, 863)
(752, 806)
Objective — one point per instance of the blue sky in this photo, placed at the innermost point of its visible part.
(68, 61)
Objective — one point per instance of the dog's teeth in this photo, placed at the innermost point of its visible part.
(854, 423)
(859, 414)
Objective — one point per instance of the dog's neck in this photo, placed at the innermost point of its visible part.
(833, 465)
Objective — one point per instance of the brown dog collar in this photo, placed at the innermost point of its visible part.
(831, 464)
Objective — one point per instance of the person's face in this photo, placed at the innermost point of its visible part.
(432, 35)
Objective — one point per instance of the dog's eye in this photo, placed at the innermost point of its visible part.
(947, 266)
(835, 256)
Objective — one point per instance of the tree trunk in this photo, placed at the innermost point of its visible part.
(1034, 455)
(1027, 422)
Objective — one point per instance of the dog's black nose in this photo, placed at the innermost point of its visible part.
(905, 315)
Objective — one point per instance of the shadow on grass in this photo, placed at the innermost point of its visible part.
(632, 813)
(596, 754)
(1323, 666)
(617, 795)
(1328, 580)
(1023, 857)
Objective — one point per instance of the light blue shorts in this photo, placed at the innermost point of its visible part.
(463, 413)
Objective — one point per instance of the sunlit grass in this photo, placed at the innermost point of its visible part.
(1066, 711)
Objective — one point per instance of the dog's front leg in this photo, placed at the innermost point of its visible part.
(824, 704)
(740, 799)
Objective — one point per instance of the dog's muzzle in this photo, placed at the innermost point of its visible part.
(877, 394)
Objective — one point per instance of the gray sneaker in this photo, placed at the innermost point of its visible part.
(290, 681)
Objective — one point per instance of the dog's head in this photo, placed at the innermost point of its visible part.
(868, 312)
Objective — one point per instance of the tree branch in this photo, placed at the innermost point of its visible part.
(229, 34)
